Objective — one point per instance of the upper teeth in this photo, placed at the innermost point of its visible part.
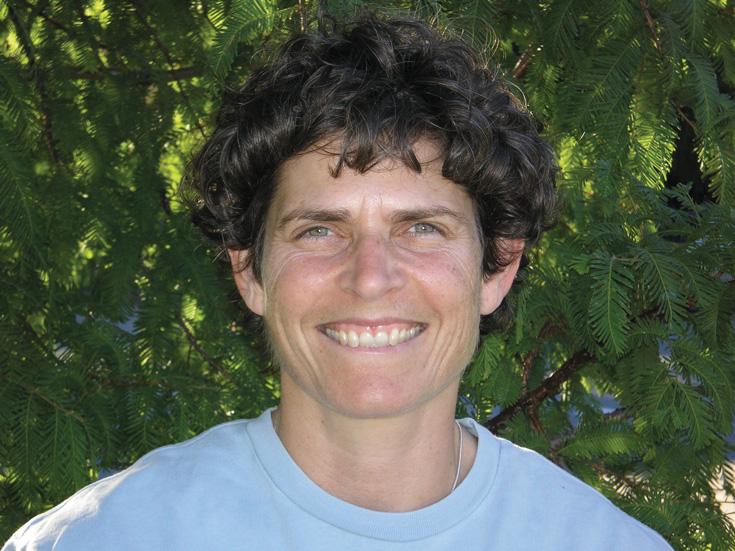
(367, 340)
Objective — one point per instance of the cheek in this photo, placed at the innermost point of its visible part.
(450, 277)
(293, 283)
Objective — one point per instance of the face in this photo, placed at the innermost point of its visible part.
(371, 287)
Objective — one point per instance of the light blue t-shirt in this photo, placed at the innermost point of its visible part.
(235, 487)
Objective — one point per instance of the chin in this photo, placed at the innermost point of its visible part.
(373, 400)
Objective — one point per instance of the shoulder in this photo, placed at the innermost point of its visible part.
(564, 509)
(142, 495)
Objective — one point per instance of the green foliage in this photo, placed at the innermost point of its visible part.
(115, 331)
(637, 272)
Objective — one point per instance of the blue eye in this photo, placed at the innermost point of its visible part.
(317, 232)
(422, 227)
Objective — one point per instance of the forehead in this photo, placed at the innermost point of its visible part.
(307, 181)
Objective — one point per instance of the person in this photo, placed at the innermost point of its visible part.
(375, 187)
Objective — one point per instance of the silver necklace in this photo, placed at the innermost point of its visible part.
(459, 460)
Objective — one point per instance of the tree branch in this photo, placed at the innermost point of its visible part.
(43, 397)
(94, 43)
(602, 470)
(171, 63)
(46, 17)
(101, 383)
(205, 15)
(302, 16)
(659, 49)
(618, 414)
(558, 461)
(649, 22)
(27, 47)
(548, 328)
(202, 353)
(153, 34)
(683, 116)
(538, 427)
(531, 400)
(559, 440)
(551, 384)
(519, 71)
(142, 77)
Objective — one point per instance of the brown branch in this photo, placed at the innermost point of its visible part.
(527, 363)
(559, 440)
(724, 278)
(46, 399)
(165, 202)
(602, 470)
(531, 400)
(618, 414)
(101, 383)
(302, 16)
(519, 71)
(196, 119)
(538, 427)
(551, 384)
(171, 63)
(153, 34)
(659, 49)
(202, 353)
(548, 328)
(129, 384)
(683, 116)
(138, 384)
(94, 43)
(206, 17)
(649, 22)
(143, 77)
(557, 460)
(46, 17)
(623, 259)
(535, 421)
(25, 43)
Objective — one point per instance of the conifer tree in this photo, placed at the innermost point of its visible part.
(118, 332)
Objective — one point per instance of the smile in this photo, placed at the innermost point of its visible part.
(380, 339)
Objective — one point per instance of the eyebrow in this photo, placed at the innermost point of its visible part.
(341, 215)
(315, 215)
(415, 215)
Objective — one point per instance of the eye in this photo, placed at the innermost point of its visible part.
(422, 227)
(319, 231)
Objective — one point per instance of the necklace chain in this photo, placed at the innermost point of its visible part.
(459, 459)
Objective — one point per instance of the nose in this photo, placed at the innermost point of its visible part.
(372, 271)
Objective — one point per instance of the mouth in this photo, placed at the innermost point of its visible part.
(373, 337)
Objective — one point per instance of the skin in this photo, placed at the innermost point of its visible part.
(370, 252)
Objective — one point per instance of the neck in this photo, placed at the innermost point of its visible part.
(393, 464)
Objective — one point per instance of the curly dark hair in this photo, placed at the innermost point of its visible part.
(372, 89)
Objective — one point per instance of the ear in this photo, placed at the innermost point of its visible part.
(249, 287)
(495, 287)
